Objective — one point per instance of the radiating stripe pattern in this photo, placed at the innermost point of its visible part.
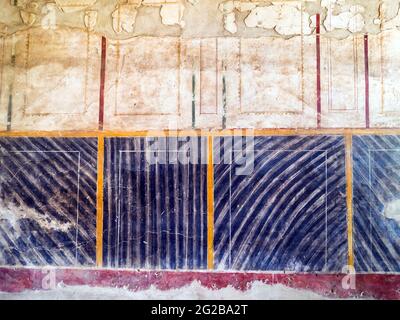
(47, 201)
(284, 212)
(376, 201)
(155, 209)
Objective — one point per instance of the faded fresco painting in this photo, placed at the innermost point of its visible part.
(218, 141)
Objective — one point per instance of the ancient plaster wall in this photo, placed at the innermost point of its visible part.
(205, 18)
(198, 64)
(110, 70)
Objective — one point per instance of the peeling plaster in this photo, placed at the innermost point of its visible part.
(392, 211)
(257, 290)
(343, 16)
(14, 214)
(206, 18)
(286, 19)
(172, 14)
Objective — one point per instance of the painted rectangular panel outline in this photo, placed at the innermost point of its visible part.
(202, 78)
(118, 213)
(272, 111)
(179, 81)
(331, 109)
(382, 108)
(27, 80)
(370, 174)
(78, 172)
(325, 152)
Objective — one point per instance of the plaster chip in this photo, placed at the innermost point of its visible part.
(286, 19)
(90, 19)
(349, 18)
(356, 9)
(245, 6)
(172, 14)
(293, 21)
(230, 22)
(340, 21)
(227, 7)
(356, 23)
(28, 18)
(388, 9)
(263, 17)
(124, 18)
(392, 23)
(377, 21)
(49, 20)
(392, 211)
(328, 3)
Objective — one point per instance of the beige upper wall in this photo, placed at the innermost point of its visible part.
(198, 74)
(200, 18)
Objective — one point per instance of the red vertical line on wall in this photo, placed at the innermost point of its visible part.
(100, 200)
(102, 81)
(366, 60)
(318, 47)
(349, 196)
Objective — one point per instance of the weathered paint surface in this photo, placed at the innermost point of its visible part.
(376, 286)
(288, 212)
(161, 216)
(376, 192)
(82, 84)
(48, 194)
(322, 64)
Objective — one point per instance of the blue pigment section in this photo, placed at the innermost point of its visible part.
(48, 201)
(376, 203)
(289, 212)
(155, 212)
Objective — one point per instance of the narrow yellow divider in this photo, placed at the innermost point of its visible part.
(349, 196)
(100, 203)
(210, 204)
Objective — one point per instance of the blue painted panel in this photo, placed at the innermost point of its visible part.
(155, 213)
(47, 201)
(289, 212)
(377, 203)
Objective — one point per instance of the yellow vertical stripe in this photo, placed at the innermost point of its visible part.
(210, 205)
(100, 203)
(349, 197)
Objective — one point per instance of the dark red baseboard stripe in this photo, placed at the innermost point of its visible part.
(102, 81)
(318, 47)
(366, 59)
(378, 286)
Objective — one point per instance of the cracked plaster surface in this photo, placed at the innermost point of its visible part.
(205, 18)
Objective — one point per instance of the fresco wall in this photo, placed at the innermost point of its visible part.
(273, 127)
